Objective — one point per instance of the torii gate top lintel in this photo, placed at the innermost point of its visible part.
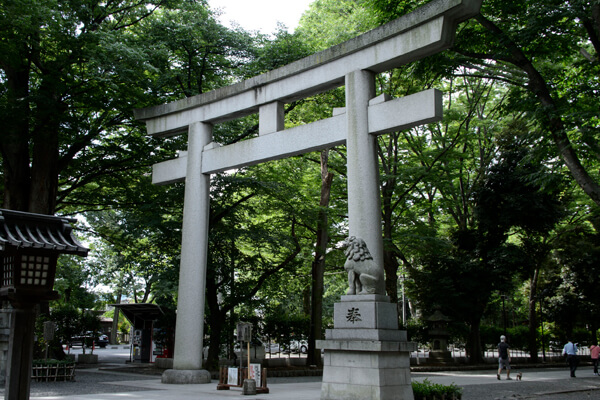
(428, 30)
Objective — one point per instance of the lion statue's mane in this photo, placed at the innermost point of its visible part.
(364, 276)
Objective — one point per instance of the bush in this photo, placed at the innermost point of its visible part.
(490, 336)
(427, 390)
(517, 337)
(417, 331)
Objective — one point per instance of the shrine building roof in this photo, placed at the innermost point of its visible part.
(19, 230)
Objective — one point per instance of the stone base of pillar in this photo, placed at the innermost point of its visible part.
(366, 356)
(185, 376)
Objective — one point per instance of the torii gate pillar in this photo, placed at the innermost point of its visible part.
(187, 362)
(364, 204)
(366, 356)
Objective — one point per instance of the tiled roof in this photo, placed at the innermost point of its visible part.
(136, 312)
(37, 231)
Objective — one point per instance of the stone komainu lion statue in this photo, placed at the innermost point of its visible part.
(364, 276)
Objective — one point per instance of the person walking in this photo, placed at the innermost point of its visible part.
(594, 354)
(570, 350)
(503, 358)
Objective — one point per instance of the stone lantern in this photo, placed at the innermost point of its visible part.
(29, 248)
(438, 335)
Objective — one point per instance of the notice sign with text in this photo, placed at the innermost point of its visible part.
(232, 376)
(254, 373)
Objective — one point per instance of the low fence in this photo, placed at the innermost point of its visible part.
(53, 372)
(490, 355)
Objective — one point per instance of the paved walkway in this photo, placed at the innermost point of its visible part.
(94, 384)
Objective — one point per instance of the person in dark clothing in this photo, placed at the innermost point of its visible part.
(503, 358)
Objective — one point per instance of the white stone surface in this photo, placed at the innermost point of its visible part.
(271, 118)
(361, 314)
(405, 112)
(364, 362)
(189, 332)
(312, 81)
(185, 377)
(279, 144)
(367, 345)
(170, 171)
(366, 297)
(364, 201)
(366, 375)
(366, 334)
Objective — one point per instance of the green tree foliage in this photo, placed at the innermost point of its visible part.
(68, 322)
(252, 239)
(549, 54)
(73, 284)
(330, 22)
(135, 250)
(71, 74)
(479, 259)
(575, 298)
(190, 52)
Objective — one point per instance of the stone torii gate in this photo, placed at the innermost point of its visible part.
(353, 64)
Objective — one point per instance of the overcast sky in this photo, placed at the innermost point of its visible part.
(261, 15)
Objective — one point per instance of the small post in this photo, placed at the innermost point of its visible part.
(244, 333)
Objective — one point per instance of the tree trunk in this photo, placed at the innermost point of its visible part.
(474, 342)
(318, 265)
(390, 261)
(115, 324)
(44, 166)
(533, 349)
(390, 251)
(14, 145)
(593, 330)
(44, 174)
(216, 322)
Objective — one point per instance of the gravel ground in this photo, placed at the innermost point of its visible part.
(94, 381)
(87, 381)
(566, 389)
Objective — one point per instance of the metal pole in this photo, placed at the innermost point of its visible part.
(403, 304)
(504, 313)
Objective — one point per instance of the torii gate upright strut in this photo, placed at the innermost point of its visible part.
(353, 64)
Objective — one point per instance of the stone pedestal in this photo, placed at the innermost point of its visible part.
(5, 313)
(366, 356)
(249, 387)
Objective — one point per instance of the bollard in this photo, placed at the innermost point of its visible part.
(249, 387)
